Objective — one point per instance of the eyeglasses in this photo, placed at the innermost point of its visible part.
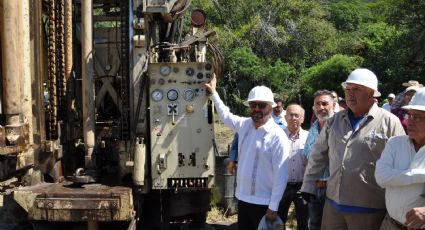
(293, 116)
(260, 105)
(415, 117)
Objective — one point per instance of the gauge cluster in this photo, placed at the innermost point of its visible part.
(176, 80)
(181, 123)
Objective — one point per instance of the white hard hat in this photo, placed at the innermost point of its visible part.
(418, 101)
(363, 77)
(391, 95)
(413, 87)
(260, 93)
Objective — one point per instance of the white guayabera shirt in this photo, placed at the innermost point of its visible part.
(262, 158)
(401, 171)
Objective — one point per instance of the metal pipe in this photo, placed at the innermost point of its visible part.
(87, 80)
(26, 66)
(39, 71)
(11, 66)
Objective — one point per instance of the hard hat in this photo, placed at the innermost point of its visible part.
(365, 78)
(412, 83)
(418, 101)
(413, 87)
(260, 93)
(391, 95)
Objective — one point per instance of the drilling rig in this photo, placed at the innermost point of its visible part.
(105, 122)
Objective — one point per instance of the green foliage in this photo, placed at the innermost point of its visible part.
(297, 47)
(329, 74)
(346, 15)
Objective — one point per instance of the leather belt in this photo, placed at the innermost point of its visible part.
(294, 184)
(398, 224)
(321, 184)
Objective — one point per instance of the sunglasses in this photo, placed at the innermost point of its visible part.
(415, 117)
(260, 105)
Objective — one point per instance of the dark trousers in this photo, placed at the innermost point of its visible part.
(315, 208)
(292, 194)
(249, 215)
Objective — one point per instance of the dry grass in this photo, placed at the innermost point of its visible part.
(217, 215)
(223, 136)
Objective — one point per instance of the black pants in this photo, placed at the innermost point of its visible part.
(249, 215)
(292, 194)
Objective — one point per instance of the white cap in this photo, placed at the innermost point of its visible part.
(365, 78)
(260, 93)
(391, 95)
(418, 101)
(413, 87)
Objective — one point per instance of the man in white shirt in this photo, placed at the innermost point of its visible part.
(262, 156)
(401, 171)
(279, 113)
(387, 106)
(297, 162)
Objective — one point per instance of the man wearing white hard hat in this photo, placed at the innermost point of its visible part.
(262, 156)
(350, 144)
(401, 171)
(387, 105)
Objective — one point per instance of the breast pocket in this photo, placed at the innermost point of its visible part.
(376, 142)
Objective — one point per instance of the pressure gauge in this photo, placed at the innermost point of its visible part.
(172, 95)
(190, 71)
(189, 94)
(165, 70)
(157, 95)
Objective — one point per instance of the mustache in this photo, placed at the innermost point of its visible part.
(257, 115)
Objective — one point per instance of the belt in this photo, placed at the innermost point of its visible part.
(398, 224)
(321, 184)
(298, 184)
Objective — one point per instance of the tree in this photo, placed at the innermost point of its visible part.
(329, 74)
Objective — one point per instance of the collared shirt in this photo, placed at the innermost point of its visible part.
(387, 107)
(351, 156)
(401, 171)
(297, 160)
(313, 134)
(262, 158)
(280, 120)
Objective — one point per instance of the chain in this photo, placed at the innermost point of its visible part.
(125, 69)
(51, 69)
(60, 64)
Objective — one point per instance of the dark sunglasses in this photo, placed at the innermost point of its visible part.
(260, 105)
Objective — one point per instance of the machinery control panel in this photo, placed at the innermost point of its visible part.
(181, 125)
